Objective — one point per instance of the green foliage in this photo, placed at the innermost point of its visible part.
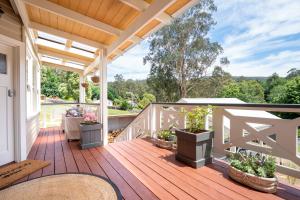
(125, 105)
(270, 84)
(293, 73)
(59, 83)
(246, 90)
(182, 51)
(166, 135)
(196, 118)
(147, 99)
(257, 165)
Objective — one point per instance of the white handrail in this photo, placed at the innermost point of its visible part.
(252, 128)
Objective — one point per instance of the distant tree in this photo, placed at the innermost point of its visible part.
(111, 93)
(211, 86)
(182, 50)
(146, 100)
(289, 93)
(163, 85)
(270, 83)
(59, 83)
(249, 91)
(294, 72)
(49, 82)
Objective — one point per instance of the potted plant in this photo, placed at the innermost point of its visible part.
(194, 144)
(85, 85)
(165, 139)
(255, 171)
(95, 79)
(90, 131)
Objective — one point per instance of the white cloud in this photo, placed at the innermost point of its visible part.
(263, 30)
(130, 65)
(253, 34)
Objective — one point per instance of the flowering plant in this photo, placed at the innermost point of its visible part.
(89, 118)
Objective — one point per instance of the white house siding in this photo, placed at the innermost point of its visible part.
(32, 95)
(10, 24)
(33, 128)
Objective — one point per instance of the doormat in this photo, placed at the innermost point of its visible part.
(16, 171)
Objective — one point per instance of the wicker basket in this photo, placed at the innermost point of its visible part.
(85, 85)
(164, 144)
(95, 79)
(268, 185)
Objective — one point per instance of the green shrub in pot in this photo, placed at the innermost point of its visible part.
(194, 144)
(256, 171)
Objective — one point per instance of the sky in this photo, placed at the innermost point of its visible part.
(259, 37)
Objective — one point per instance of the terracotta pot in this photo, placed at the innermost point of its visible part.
(164, 144)
(85, 85)
(268, 185)
(95, 79)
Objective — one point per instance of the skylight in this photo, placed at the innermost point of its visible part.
(83, 47)
(49, 43)
(75, 65)
(53, 38)
(51, 59)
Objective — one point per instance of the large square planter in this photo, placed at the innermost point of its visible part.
(90, 135)
(194, 149)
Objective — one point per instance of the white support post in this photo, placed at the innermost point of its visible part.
(103, 96)
(81, 90)
(152, 120)
(218, 131)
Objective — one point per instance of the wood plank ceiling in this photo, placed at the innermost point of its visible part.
(101, 22)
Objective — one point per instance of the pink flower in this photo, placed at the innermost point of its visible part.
(89, 117)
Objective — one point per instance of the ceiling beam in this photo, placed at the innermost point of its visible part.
(135, 39)
(62, 67)
(74, 16)
(65, 52)
(143, 19)
(91, 67)
(66, 35)
(69, 44)
(62, 56)
(142, 5)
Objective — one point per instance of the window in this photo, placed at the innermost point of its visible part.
(3, 66)
(32, 85)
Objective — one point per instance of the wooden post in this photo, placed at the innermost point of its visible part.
(81, 90)
(103, 96)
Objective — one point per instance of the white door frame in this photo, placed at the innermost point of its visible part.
(19, 106)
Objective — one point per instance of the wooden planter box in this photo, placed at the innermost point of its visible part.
(194, 149)
(90, 135)
(268, 185)
(164, 144)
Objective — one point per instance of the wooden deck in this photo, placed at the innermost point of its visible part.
(143, 171)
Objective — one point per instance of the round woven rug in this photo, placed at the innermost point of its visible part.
(63, 186)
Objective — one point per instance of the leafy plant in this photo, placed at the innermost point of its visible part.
(257, 165)
(196, 118)
(166, 135)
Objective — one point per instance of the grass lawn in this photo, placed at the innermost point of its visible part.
(118, 112)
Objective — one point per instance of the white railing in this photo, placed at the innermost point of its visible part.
(248, 126)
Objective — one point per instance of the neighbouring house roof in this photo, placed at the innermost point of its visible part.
(236, 112)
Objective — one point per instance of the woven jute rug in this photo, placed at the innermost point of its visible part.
(16, 171)
(63, 186)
